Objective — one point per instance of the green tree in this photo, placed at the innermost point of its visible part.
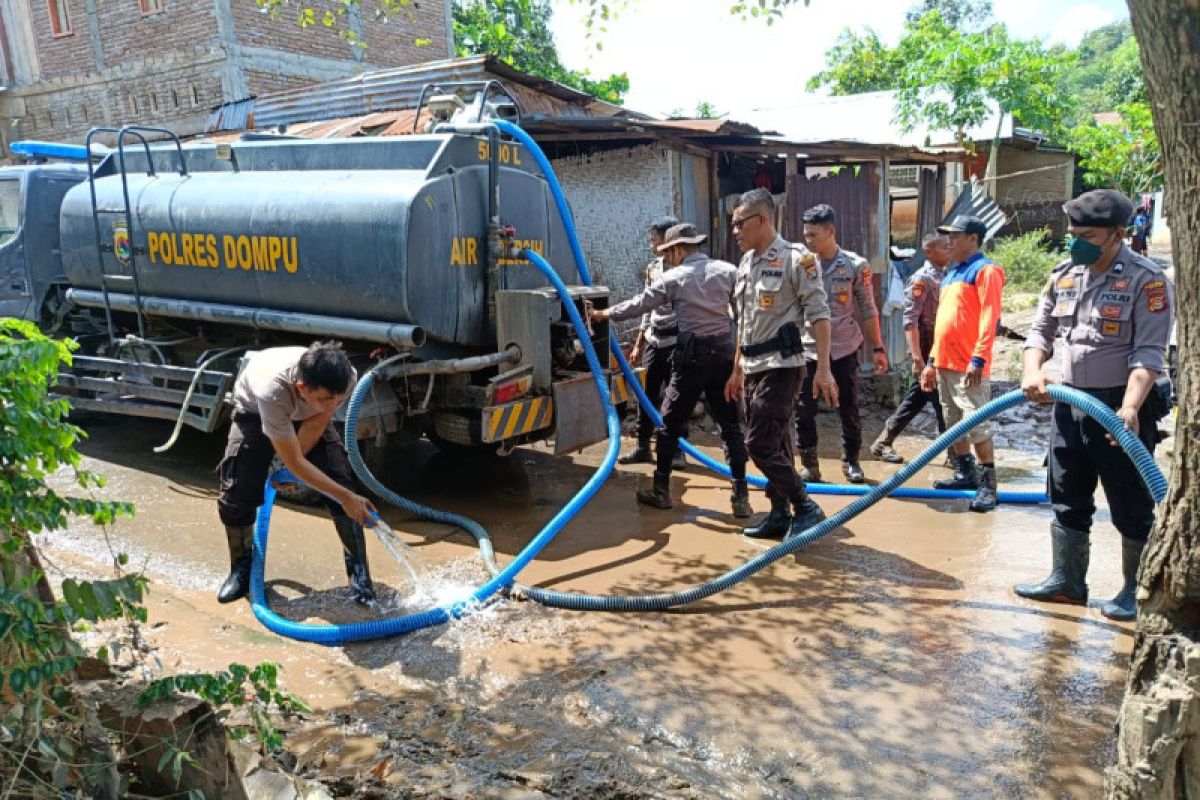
(961, 14)
(518, 32)
(857, 63)
(1121, 155)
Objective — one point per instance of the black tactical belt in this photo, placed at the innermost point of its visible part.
(664, 332)
(772, 345)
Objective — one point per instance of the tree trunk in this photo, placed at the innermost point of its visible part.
(1159, 742)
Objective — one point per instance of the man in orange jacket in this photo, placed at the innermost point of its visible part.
(960, 362)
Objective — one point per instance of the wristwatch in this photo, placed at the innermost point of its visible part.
(880, 350)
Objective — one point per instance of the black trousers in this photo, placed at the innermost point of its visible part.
(845, 374)
(657, 361)
(771, 400)
(705, 375)
(248, 454)
(914, 402)
(1081, 456)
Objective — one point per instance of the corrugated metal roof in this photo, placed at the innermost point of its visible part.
(392, 89)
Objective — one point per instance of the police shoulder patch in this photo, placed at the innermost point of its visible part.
(1156, 296)
(918, 289)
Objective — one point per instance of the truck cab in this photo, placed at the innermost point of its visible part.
(31, 268)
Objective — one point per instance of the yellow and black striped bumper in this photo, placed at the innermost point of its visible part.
(535, 413)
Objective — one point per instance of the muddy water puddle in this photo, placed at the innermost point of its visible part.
(889, 659)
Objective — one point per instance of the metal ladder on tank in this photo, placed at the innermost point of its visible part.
(121, 386)
(114, 279)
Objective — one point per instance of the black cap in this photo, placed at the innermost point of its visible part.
(1101, 208)
(965, 223)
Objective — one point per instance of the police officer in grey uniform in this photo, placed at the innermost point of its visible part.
(779, 288)
(920, 310)
(849, 289)
(653, 347)
(700, 289)
(1112, 310)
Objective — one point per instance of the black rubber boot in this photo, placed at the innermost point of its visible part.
(1123, 607)
(806, 514)
(741, 500)
(354, 551)
(241, 549)
(853, 472)
(658, 495)
(810, 470)
(1067, 582)
(773, 525)
(985, 497)
(638, 455)
(964, 475)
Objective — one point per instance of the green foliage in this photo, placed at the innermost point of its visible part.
(518, 32)
(706, 110)
(857, 63)
(228, 690)
(1124, 155)
(46, 729)
(342, 17)
(961, 14)
(949, 78)
(1027, 260)
(1107, 71)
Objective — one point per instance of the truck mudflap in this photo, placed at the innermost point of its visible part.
(580, 426)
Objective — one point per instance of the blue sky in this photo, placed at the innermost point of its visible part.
(680, 52)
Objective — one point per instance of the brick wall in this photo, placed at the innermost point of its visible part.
(255, 29)
(127, 35)
(1045, 185)
(64, 55)
(614, 196)
(394, 43)
(261, 82)
(174, 91)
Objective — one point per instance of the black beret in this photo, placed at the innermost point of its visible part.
(1102, 208)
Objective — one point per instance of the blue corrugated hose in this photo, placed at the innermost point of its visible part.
(651, 407)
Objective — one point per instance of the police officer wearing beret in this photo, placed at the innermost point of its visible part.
(700, 289)
(779, 288)
(1111, 309)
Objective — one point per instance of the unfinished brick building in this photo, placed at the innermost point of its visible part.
(69, 65)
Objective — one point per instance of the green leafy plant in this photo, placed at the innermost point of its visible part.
(51, 742)
(1027, 259)
(1121, 155)
(256, 690)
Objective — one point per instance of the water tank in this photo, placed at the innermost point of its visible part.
(388, 229)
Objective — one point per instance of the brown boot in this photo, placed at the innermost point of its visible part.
(810, 472)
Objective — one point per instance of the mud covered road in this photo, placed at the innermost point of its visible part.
(888, 660)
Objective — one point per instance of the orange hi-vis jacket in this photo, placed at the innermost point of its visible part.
(967, 316)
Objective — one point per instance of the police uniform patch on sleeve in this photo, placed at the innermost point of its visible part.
(1156, 296)
(866, 274)
(918, 290)
(1110, 328)
(809, 262)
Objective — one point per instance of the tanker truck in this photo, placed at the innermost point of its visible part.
(168, 263)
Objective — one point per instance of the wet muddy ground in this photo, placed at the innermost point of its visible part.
(888, 660)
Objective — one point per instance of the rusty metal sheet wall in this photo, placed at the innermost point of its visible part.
(855, 198)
